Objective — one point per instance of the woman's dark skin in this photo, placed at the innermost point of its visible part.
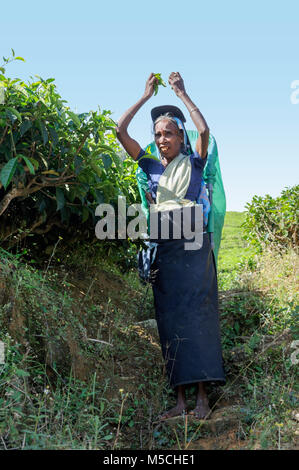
(169, 140)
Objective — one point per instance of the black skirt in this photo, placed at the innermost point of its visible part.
(186, 304)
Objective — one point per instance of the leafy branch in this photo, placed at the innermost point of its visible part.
(46, 146)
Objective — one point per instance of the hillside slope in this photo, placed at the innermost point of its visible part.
(83, 366)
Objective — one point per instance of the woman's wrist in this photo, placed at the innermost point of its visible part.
(137, 106)
(182, 94)
(145, 97)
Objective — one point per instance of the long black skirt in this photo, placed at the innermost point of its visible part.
(186, 304)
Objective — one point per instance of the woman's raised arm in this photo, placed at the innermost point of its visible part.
(130, 145)
(177, 84)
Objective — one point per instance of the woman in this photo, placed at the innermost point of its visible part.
(185, 283)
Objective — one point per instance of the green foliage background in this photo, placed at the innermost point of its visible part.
(273, 221)
(56, 166)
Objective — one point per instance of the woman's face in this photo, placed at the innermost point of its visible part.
(168, 139)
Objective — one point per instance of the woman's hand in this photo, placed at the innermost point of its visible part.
(130, 145)
(149, 87)
(177, 83)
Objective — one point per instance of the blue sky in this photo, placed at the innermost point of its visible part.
(238, 62)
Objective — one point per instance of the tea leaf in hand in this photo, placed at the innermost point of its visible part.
(160, 82)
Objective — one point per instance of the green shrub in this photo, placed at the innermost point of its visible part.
(56, 166)
(273, 221)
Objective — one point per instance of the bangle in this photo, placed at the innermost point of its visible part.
(193, 109)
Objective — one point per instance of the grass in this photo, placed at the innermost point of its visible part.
(259, 316)
(234, 251)
(59, 390)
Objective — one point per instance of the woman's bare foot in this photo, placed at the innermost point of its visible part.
(175, 411)
(202, 409)
(180, 405)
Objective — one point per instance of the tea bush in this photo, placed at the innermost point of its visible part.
(274, 221)
(56, 166)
